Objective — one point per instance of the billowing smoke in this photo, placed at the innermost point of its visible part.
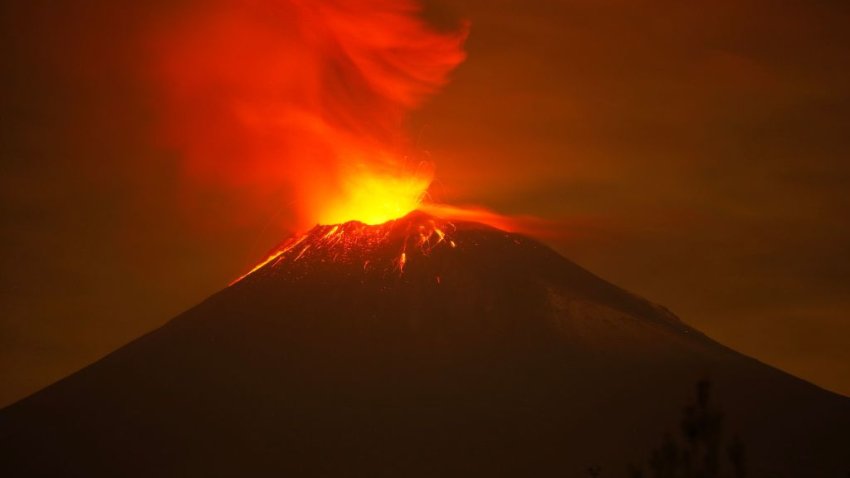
(306, 95)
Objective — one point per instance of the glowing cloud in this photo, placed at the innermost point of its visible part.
(309, 96)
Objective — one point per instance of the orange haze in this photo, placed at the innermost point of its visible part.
(307, 97)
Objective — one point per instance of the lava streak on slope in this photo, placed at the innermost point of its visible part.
(414, 235)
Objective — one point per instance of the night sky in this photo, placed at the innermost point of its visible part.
(694, 154)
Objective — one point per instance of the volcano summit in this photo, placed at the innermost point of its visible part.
(417, 348)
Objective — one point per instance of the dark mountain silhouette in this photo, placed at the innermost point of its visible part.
(475, 353)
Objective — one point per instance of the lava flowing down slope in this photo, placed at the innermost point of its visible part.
(355, 242)
(420, 347)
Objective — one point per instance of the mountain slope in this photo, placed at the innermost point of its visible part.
(416, 348)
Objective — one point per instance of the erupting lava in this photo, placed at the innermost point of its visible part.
(414, 235)
(373, 199)
(311, 97)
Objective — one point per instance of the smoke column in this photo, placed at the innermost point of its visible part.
(310, 96)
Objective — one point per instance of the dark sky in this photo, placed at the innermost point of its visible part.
(697, 154)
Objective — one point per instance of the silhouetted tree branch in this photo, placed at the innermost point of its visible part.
(700, 454)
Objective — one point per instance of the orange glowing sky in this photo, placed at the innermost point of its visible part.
(695, 154)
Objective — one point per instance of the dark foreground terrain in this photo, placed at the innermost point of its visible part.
(477, 353)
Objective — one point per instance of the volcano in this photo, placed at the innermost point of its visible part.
(417, 348)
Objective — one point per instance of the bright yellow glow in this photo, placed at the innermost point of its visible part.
(375, 199)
